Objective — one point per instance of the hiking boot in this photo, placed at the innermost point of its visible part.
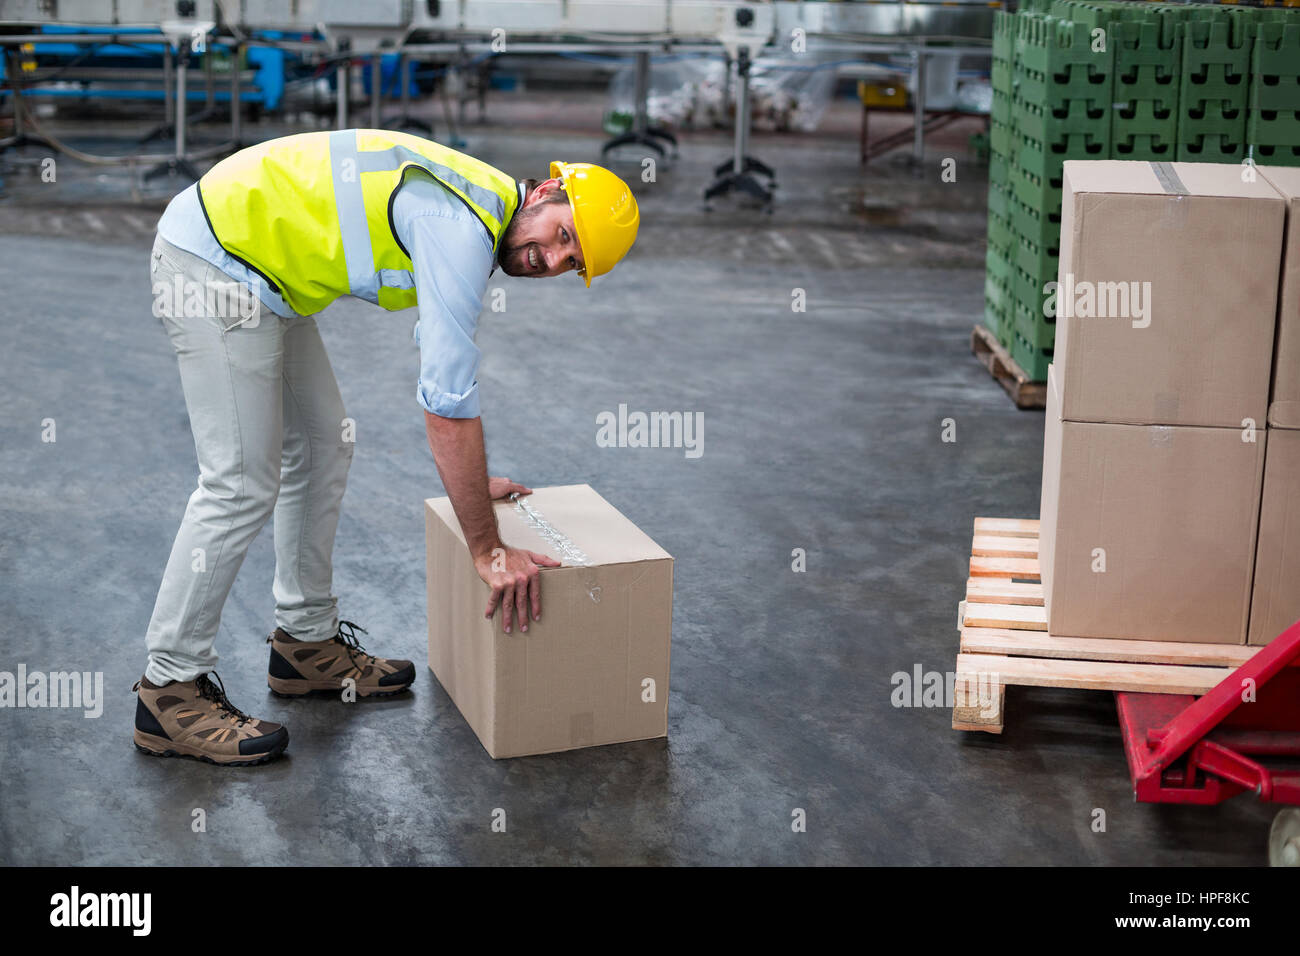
(194, 719)
(304, 667)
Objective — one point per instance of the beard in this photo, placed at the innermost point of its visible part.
(512, 254)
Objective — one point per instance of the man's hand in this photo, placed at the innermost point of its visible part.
(511, 573)
(504, 488)
(514, 575)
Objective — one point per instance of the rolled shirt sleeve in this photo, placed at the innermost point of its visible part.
(453, 260)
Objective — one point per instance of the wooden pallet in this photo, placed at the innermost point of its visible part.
(1003, 367)
(1004, 638)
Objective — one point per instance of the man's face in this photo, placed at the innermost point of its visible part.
(540, 240)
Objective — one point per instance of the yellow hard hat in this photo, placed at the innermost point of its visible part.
(605, 215)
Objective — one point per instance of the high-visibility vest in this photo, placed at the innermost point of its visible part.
(312, 213)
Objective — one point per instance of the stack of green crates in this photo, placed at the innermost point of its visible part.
(1104, 79)
(1063, 90)
(1148, 55)
(1213, 85)
(1273, 113)
(999, 298)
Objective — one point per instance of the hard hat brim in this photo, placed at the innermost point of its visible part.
(564, 172)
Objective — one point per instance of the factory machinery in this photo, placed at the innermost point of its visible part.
(346, 35)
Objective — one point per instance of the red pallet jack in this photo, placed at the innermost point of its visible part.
(1184, 749)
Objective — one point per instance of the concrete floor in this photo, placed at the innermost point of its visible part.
(822, 432)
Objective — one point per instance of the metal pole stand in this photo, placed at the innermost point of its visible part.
(236, 107)
(404, 119)
(918, 108)
(179, 163)
(342, 82)
(376, 89)
(209, 110)
(643, 132)
(20, 137)
(735, 173)
(167, 128)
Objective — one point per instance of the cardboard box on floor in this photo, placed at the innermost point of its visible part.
(594, 669)
(1195, 346)
(1284, 409)
(1147, 531)
(1275, 603)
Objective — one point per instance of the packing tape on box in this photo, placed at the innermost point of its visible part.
(1168, 179)
(569, 551)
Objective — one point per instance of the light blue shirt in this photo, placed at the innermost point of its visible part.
(453, 259)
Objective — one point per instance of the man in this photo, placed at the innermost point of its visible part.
(290, 225)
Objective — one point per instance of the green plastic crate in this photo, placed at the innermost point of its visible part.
(1273, 117)
(1272, 155)
(999, 305)
(1044, 229)
(1044, 159)
(1144, 115)
(1001, 139)
(1000, 202)
(1059, 120)
(1029, 287)
(1033, 192)
(1033, 361)
(1147, 147)
(1041, 164)
(1036, 259)
(997, 262)
(1033, 328)
(1213, 86)
(1055, 62)
(1000, 234)
(1004, 37)
(1274, 128)
(1275, 66)
(999, 169)
(1224, 146)
(1000, 110)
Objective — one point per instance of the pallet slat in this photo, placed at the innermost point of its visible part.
(1093, 675)
(1014, 527)
(1026, 568)
(1003, 546)
(1024, 617)
(1003, 591)
(992, 640)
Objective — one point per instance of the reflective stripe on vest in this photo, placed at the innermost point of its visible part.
(317, 234)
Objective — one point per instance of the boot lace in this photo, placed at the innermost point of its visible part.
(217, 694)
(349, 641)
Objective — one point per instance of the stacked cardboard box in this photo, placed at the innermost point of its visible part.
(1275, 604)
(1155, 442)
